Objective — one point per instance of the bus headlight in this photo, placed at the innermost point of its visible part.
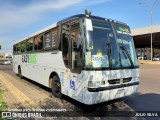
(90, 84)
(135, 78)
(93, 84)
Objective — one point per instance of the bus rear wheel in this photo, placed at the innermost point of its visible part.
(20, 73)
(56, 87)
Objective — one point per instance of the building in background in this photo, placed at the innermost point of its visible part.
(6, 55)
(142, 40)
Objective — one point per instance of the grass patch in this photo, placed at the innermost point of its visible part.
(3, 105)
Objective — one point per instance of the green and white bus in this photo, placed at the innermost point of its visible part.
(88, 58)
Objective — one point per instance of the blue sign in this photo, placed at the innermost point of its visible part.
(72, 85)
(62, 79)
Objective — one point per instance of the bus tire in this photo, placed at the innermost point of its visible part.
(20, 73)
(56, 87)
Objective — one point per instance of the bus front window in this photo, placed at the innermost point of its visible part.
(99, 36)
(126, 46)
(108, 46)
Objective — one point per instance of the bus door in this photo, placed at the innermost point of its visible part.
(72, 56)
(76, 83)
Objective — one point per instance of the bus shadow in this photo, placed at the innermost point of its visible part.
(124, 107)
(104, 106)
(37, 85)
(78, 109)
(144, 102)
(73, 103)
(113, 108)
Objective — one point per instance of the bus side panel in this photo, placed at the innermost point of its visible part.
(16, 62)
(46, 63)
(74, 85)
(42, 67)
(25, 70)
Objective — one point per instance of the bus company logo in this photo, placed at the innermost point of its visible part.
(122, 29)
(31, 58)
(6, 114)
(72, 85)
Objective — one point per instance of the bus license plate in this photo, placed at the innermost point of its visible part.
(120, 91)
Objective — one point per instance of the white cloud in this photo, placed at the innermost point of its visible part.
(94, 2)
(13, 16)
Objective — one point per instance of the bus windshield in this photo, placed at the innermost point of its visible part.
(126, 47)
(108, 46)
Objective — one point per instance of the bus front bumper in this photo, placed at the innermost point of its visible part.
(102, 94)
(112, 87)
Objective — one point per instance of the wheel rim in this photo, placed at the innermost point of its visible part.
(56, 87)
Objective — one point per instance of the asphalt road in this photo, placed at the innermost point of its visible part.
(7, 68)
(147, 99)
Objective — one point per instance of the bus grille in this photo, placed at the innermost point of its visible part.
(118, 81)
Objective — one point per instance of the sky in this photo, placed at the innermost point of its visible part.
(20, 18)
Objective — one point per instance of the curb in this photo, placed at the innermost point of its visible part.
(150, 62)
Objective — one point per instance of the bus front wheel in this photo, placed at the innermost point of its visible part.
(56, 87)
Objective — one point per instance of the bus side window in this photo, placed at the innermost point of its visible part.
(29, 45)
(38, 43)
(55, 38)
(18, 48)
(65, 48)
(23, 47)
(14, 48)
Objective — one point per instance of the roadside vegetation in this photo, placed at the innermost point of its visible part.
(3, 105)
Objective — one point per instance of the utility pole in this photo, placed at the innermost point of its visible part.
(151, 7)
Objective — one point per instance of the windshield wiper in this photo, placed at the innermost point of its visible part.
(129, 57)
(109, 50)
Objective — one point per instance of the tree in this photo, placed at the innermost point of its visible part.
(0, 46)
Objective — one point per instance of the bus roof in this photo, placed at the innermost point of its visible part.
(92, 17)
(68, 19)
(38, 32)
